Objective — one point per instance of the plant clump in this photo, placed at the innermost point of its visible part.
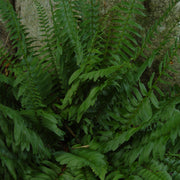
(77, 107)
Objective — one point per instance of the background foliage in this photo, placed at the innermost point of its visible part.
(78, 107)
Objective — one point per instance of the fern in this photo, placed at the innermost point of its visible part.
(82, 105)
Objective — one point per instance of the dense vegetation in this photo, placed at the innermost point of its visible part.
(78, 107)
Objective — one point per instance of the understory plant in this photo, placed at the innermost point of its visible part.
(77, 107)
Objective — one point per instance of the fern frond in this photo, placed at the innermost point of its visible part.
(95, 75)
(87, 15)
(82, 158)
(29, 80)
(155, 142)
(48, 50)
(16, 30)
(26, 59)
(23, 136)
(45, 170)
(155, 171)
(64, 15)
(122, 31)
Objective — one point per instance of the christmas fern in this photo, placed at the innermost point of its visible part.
(78, 107)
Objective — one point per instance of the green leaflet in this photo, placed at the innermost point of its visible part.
(154, 100)
(145, 113)
(143, 89)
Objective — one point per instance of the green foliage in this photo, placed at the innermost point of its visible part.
(78, 107)
(78, 159)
